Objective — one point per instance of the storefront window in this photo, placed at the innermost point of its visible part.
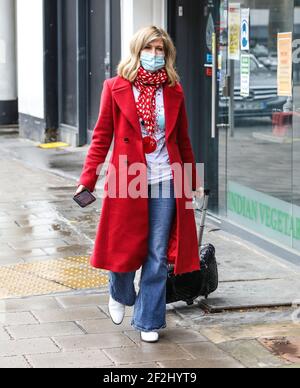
(296, 124)
(259, 180)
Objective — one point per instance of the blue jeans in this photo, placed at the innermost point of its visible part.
(150, 303)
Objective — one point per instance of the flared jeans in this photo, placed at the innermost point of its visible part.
(150, 302)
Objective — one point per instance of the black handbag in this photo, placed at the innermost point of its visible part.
(190, 286)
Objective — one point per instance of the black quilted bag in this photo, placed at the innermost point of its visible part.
(190, 286)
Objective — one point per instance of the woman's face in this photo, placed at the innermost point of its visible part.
(155, 47)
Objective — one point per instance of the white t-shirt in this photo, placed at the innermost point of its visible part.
(159, 167)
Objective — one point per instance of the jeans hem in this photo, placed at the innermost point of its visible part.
(139, 328)
(121, 301)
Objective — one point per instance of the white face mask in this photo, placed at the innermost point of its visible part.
(152, 62)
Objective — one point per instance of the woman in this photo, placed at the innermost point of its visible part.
(150, 224)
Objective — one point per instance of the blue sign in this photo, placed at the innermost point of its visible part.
(245, 29)
(209, 58)
(245, 39)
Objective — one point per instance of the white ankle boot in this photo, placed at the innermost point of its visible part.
(150, 337)
(116, 311)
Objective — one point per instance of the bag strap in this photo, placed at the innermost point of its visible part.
(204, 210)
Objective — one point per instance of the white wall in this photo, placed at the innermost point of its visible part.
(30, 57)
(136, 14)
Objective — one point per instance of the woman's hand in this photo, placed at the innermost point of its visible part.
(199, 193)
(80, 189)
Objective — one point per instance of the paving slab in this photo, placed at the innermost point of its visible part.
(93, 341)
(293, 366)
(147, 353)
(240, 317)
(22, 304)
(3, 334)
(71, 360)
(144, 366)
(15, 362)
(17, 318)
(6, 250)
(226, 363)
(287, 348)
(85, 300)
(9, 259)
(100, 326)
(172, 335)
(220, 334)
(251, 294)
(22, 253)
(44, 330)
(252, 354)
(71, 314)
(27, 347)
(204, 350)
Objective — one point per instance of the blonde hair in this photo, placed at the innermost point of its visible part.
(128, 68)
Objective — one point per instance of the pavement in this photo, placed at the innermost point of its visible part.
(53, 306)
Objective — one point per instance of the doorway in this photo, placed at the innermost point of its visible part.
(191, 25)
(104, 31)
(89, 48)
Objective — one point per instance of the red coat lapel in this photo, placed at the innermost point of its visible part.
(124, 97)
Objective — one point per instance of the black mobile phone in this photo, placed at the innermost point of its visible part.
(85, 198)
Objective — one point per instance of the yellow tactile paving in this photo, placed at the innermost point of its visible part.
(48, 146)
(51, 276)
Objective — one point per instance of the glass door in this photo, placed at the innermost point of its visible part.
(223, 121)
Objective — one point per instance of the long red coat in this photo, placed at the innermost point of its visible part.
(122, 239)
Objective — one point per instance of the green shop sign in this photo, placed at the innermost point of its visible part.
(264, 214)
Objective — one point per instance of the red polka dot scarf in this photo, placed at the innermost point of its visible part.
(148, 83)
